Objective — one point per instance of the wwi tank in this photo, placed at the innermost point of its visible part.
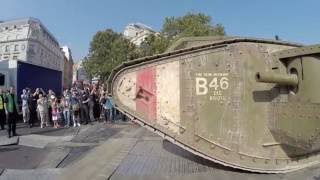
(250, 104)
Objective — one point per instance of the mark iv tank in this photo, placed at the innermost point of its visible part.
(250, 104)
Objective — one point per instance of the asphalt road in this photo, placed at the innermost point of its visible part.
(113, 151)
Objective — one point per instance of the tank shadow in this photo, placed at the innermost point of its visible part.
(178, 151)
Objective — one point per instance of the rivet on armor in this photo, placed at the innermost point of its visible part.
(181, 130)
(197, 139)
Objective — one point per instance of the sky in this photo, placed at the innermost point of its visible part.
(74, 22)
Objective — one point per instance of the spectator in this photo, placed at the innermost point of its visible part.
(65, 103)
(43, 110)
(54, 111)
(2, 110)
(33, 106)
(108, 107)
(102, 101)
(25, 106)
(50, 93)
(85, 106)
(93, 105)
(11, 108)
(75, 108)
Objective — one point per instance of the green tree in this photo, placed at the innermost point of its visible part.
(191, 24)
(107, 50)
(154, 44)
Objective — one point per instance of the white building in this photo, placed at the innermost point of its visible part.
(67, 52)
(29, 40)
(137, 32)
(79, 73)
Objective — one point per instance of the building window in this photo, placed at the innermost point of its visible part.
(15, 57)
(16, 47)
(7, 48)
(23, 47)
(5, 57)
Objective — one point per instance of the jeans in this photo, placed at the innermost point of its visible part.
(25, 114)
(108, 115)
(85, 114)
(91, 113)
(66, 116)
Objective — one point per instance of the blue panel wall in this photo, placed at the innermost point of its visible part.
(33, 77)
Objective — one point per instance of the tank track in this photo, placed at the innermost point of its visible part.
(151, 59)
(193, 151)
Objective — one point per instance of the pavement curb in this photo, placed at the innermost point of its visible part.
(41, 141)
(5, 141)
(30, 174)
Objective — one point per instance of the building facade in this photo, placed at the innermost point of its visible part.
(30, 41)
(137, 32)
(68, 67)
(79, 74)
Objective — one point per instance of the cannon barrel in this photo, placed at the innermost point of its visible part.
(281, 79)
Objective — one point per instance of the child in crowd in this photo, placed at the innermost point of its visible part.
(55, 111)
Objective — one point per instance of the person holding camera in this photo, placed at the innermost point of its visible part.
(25, 106)
(42, 107)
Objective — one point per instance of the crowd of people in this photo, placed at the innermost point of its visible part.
(74, 107)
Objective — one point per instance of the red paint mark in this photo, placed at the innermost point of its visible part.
(146, 103)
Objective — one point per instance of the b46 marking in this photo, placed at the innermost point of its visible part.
(212, 83)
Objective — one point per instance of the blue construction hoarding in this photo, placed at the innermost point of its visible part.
(33, 77)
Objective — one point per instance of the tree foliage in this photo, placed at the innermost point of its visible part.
(191, 25)
(154, 44)
(107, 50)
(176, 27)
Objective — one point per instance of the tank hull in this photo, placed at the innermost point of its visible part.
(206, 100)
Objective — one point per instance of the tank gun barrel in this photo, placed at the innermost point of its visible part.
(281, 79)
